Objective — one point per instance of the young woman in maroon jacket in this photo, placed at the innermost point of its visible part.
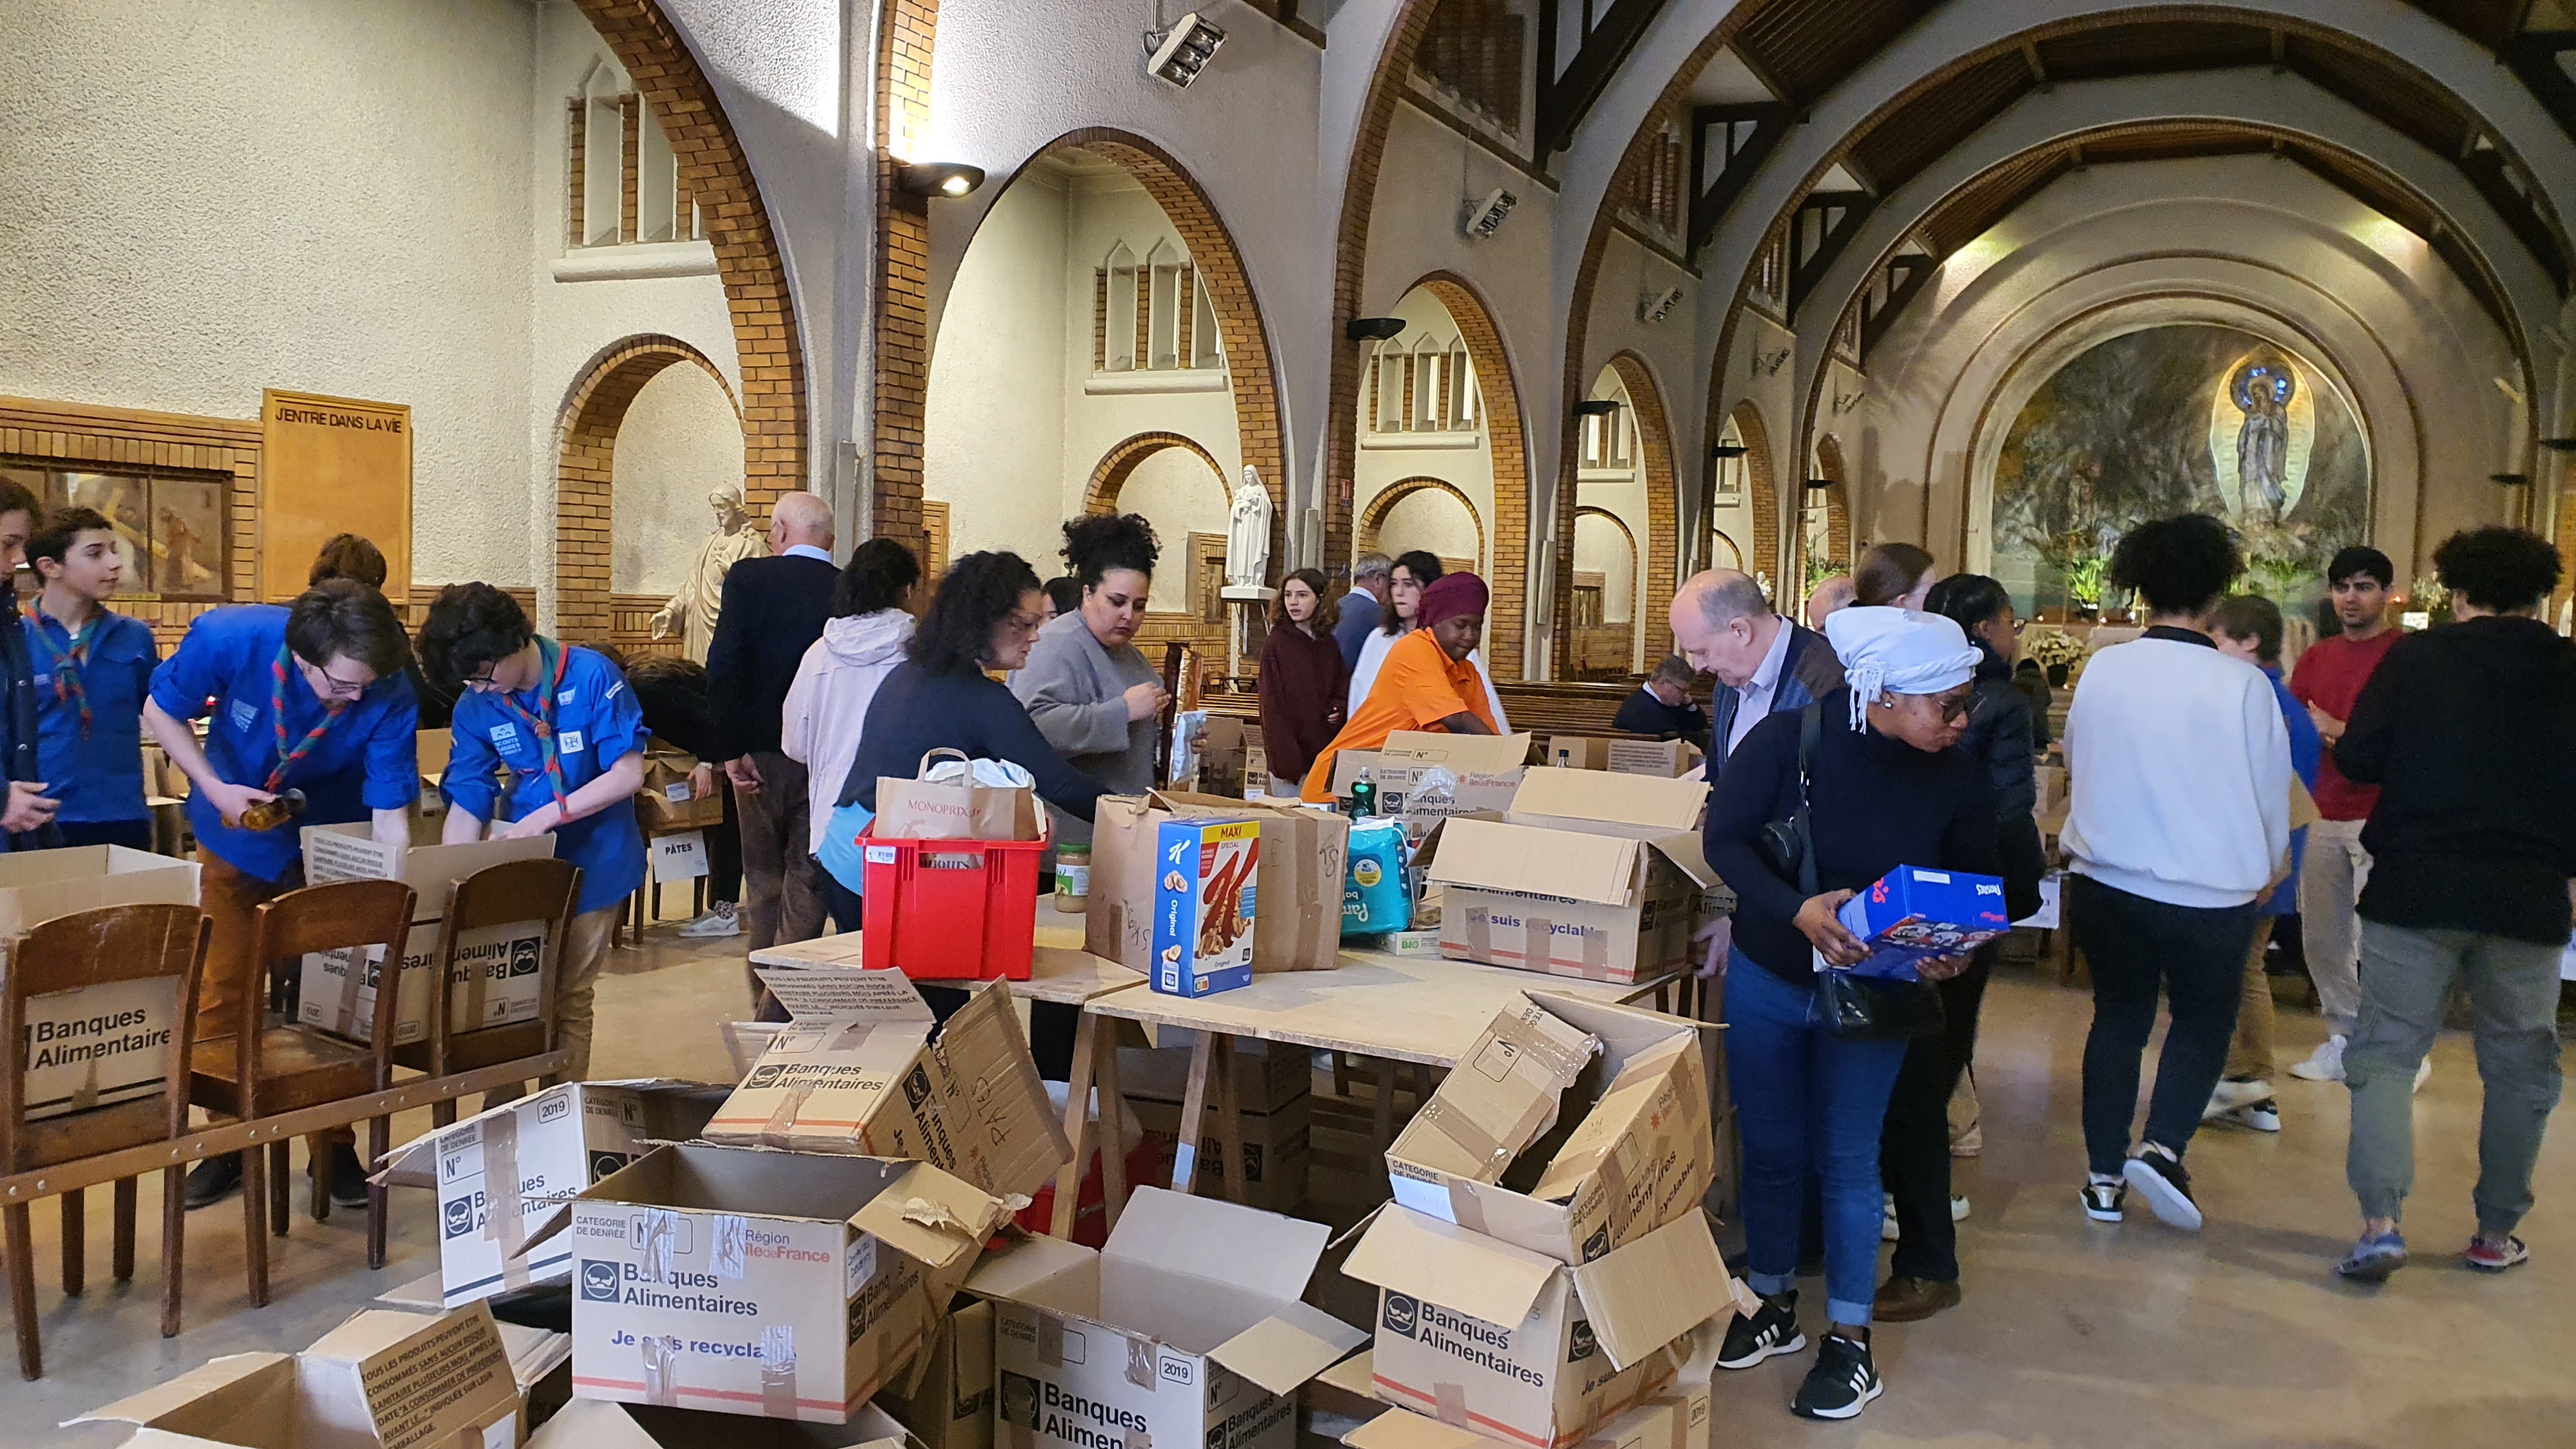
(1303, 680)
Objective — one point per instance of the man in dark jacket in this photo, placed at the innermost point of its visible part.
(2469, 731)
(773, 611)
(27, 816)
(1662, 706)
(1725, 626)
(1363, 606)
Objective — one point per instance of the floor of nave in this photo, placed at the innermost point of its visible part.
(2072, 1334)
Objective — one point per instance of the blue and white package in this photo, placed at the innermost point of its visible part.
(1911, 914)
(1374, 898)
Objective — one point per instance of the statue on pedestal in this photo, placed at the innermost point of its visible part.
(694, 607)
(1247, 539)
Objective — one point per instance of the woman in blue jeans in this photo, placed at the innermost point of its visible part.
(1887, 786)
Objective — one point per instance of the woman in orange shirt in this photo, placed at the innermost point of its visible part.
(1427, 682)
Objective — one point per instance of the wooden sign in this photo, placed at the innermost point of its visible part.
(332, 465)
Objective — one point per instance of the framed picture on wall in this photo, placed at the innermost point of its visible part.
(170, 527)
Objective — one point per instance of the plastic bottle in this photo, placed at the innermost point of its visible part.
(270, 814)
(1363, 796)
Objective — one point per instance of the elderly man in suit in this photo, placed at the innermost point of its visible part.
(1768, 664)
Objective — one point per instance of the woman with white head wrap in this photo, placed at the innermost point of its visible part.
(1886, 787)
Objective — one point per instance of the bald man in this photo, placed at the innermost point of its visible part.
(773, 611)
(1768, 664)
(1837, 592)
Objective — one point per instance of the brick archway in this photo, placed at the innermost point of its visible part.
(1837, 501)
(768, 344)
(1765, 491)
(1661, 559)
(1373, 518)
(585, 472)
(1120, 462)
(1508, 553)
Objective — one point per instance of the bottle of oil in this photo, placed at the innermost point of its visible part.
(270, 814)
(1363, 796)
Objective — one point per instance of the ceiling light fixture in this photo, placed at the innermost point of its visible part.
(1485, 217)
(938, 178)
(1176, 53)
(1372, 329)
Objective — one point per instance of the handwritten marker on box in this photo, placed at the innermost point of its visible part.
(1911, 915)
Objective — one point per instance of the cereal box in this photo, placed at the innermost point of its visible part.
(1909, 915)
(1204, 902)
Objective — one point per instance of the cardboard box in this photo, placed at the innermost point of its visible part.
(1663, 759)
(669, 801)
(949, 1403)
(1186, 1331)
(98, 1045)
(1299, 883)
(1206, 894)
(1677, 1418)
(1268, 1074)
(507, 1174)
(1570, 1129)
(777, 1284)
(1531, 1350)
(384, 1378)
(1910, 914)
(1591, 875)
(1277, 1148)
(502, 965)
(1576, 752)
(1486, 770)
(2050, 783)
(1219, 758)
(596, 1424)
(857, 1071)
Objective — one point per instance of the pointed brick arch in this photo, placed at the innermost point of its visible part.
(1662, 555)
(585, 472)
(1838, 519)
(1373, 518)
(1507, 553)
(1764, 488)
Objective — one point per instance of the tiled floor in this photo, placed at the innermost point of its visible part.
(2072, 1334)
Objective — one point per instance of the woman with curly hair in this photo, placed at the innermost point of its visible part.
(1086, 684)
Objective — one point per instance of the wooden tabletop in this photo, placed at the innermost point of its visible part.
(1063, 971)
(1411, 1009)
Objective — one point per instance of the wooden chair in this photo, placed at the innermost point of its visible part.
(112, 945)
(499, 895)
(266, 1067)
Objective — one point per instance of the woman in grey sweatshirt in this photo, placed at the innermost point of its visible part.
(1086, 685)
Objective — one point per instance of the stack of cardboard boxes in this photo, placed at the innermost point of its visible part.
(1276, 1083)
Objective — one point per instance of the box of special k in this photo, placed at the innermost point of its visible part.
(785, 1285)
(1206, 901)
(505, 1176)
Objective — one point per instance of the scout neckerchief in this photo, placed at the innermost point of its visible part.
(68, 663)
(332, 709)
(550, 676)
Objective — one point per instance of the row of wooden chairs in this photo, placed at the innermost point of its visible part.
(262, 1064)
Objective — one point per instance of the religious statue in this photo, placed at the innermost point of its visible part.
(1247, 538)
(2262, 392)
(695, 605)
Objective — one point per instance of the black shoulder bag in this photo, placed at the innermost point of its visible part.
(1851, 1006)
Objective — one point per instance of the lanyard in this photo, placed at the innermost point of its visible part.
(286, 758)
(68, 663)
(550, 676)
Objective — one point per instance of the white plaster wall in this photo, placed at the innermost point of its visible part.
(1178, 494)
(994, 447)
(1757, 371)
(1600, 548)
(1433, 521)
(1670, 349)
(1469, 470)
(681, 440)
(1620, 492)
(201, 201)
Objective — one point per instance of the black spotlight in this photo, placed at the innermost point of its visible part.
(1727, 452)
(938, 178)
(1596, 407)
(1372, 329)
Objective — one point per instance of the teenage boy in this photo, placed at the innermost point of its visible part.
(27, 813)
(569, 731)
(2179, 818)
(91, 668)
(309, 696)
(2469, 731)
(2248, 627)
(2328, 680)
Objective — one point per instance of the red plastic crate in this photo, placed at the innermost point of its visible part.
(951, 910)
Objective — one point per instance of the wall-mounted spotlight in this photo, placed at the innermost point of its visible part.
(938, 178)
(1727, 452)
(1485, 217)
(1177, 53)
(1372, 329)
(1818, 484)
(2559, 445)
(1656, 306)
(2509, 480)
(1596, 407)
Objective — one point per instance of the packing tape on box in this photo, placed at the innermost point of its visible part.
(661, 1369)
(1480, 933)
(85, 1096)
(1449, 1405)
(504, 1211)
(779, 1130)
(1140, 1363)
(1614, 1181)
(1537, 950)
(777, 1357)
(660, 1228)
(1050, 1340)
(729, 1254)
(477, 984)
(345, 1022)
(1596, 954)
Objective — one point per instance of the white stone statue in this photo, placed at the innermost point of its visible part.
(1247, 538)
(694, 607)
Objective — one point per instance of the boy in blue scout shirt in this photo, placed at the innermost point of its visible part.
(26, 811)
(92, 668)
(561, 720)
(308, 696)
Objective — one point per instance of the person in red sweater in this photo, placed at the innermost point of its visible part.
(2328, 681)
(1303, 680)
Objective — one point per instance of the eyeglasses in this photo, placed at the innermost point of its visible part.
(1953, 706)
(338, 688)
(483, 682)
(1026, 623)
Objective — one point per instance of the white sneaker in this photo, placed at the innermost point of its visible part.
(2325, 1064)
(1958, 1207)
(719, 922)
(1887, 1230)
(2231, 1095)
(2423, 1073)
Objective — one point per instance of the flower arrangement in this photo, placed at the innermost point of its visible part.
(2429, 596)
(2049, 646)
(1819, 570)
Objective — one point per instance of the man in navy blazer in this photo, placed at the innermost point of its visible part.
(1364, 607)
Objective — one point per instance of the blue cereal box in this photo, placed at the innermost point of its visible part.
(1911, 914)
(1204, 904)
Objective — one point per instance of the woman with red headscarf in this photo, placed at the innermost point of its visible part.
(1428, 682)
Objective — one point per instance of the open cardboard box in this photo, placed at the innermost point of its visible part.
(507, 1174)
(1677, 1418)
(1487, 770)
(383, 1380)
(857, 1070)
(1590, 875)
(1297, 886)
(1571, 1128)
(784, 1285)
(93, 1046)
(1188, 1329)
(502, 966)
(1473, 1330)
(597, 1424)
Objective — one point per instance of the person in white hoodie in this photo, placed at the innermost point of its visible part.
(2179, 820)
(836, 681)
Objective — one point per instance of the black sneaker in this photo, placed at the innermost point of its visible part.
(1766, 1334)
(213, 1180)
(2103, 1197)
(2158, 1176)
(1843, 1381)
(348, 1180)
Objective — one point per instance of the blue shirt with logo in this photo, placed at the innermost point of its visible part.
(597, 723)
(369, 760)
(97, 776)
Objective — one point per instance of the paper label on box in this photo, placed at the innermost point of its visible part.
(424, 1390)
(680, 857)
(330, 856)
(844, 993)
(98, 1045)
(679, 793)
